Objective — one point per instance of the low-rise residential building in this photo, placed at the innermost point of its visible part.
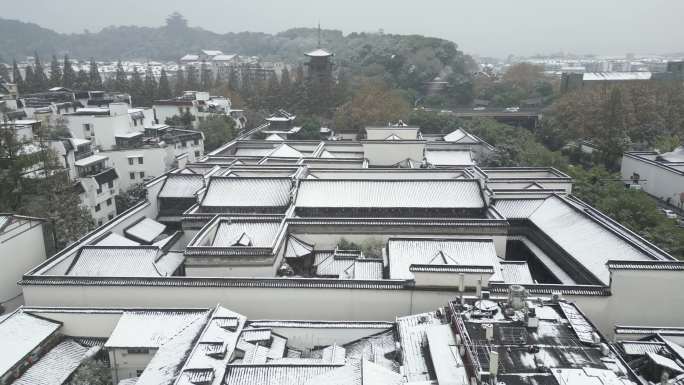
(199, 105)
(97, 183)
(511, 338)
(660, 175)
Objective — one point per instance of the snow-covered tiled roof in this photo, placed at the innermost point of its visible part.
(114, 239)
(122, 261)
(449, 157)
(55, 367)
(20, 334)
(616, 76)
(90, 160)
(223, 57)
(275, 137)
(285, 151)
(247, 192)
(147, 230)
(167, 363)
(675, 156)
(411, 331)
(181, 186)
(260, 233)
(405, 252)
(516, 272)
(590, 243)
(517, 208)
(319, 53)
(150, 329)
(460, 136)
(331, 264)
(390, 193)
(297, 248)
(272, 375)
(211, 52)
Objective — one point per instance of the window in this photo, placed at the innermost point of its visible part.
(99, 222)
(109, 202)
(86, 126)
(110, 184)
(135, 122)
(196, 141)
(130, 161)
(99, 190)
(137, 351)
(184, 144)
(97, 207)
(140, 160)
(197, 154)
(132, 175)
(110, 216)
(142, 174)
(138, 373)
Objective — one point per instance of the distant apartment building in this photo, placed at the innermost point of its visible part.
(112, 146)
(250, 68)
(200, 105)
(598, 80)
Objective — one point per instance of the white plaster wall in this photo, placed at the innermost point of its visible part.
(638, 298)
(450, 279)
(103, 127)
(392, 152)
(381, 133)
(125, 365)
(156, 161)
(651, 297)
(230, 271)
(657, 181)
(301, 338)
(255, 302)
(19, 255)
(83, 323)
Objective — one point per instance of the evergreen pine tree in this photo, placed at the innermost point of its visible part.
(40, 82)
(149, 87)
(233, 81)
(55, 73)
(17, 78)
(285, 89)
(191, 79)
(218, 80)
(94, 78)
(179, 84)
(136, 87)
(29, 80)
(272, 98)
(82, 81)
(68, 76)
(164, 91)
(120, 79)
(207, 80)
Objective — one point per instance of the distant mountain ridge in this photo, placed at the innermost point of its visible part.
(406, 62)
(170, 42)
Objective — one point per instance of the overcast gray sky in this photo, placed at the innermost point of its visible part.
(484, 27)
